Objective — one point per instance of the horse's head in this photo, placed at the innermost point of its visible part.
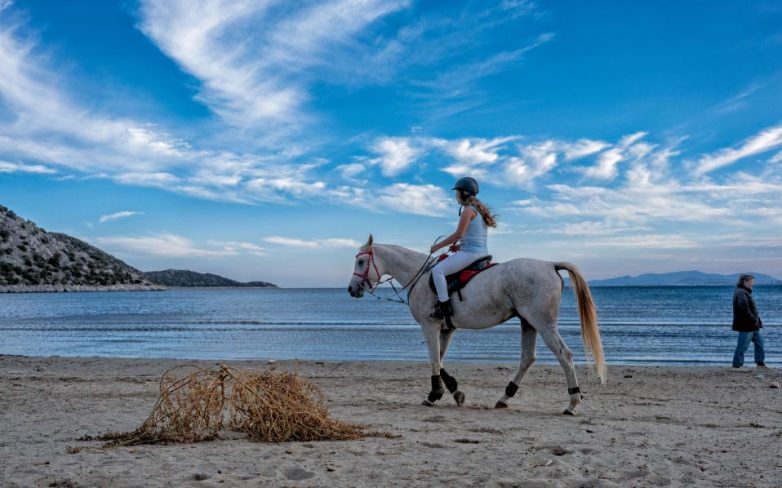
(366, 270)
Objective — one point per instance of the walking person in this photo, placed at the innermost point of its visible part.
(747, 322)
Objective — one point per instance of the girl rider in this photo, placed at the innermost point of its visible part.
(469, 241)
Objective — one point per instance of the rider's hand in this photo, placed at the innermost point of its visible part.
(454, 247)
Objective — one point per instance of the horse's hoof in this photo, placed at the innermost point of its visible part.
(568, 412)
(459, 397)
(427, 403)
(501, 404)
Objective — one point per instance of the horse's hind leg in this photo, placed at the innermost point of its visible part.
(450, 381)
(554, 341)
(528, 337)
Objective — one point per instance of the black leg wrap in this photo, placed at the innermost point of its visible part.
(437, 389)
(511, 389)
(571, 391)
(450, 381)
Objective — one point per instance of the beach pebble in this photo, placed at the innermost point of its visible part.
(774, 384)
(200, 476)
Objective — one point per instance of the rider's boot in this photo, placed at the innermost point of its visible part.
(442, 311)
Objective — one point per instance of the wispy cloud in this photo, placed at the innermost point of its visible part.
(239, 247)
(396, 154)
(261, 79)
(167, 245)
(7, 167)
(175, 246)
(312, 243)
(766, 140)
(118, 215)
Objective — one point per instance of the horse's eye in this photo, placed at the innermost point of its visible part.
(361, 262)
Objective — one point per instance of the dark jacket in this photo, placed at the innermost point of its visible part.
(745, 312)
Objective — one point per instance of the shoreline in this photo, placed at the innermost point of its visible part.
(648, 426)
(675, 365)
(77, 288)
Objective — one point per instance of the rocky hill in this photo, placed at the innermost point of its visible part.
(32, 259)
(186, 278)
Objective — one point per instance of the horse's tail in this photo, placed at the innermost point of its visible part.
(590, 333)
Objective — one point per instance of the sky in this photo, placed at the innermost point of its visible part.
(264, 140)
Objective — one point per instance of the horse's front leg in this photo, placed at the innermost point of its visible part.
(450, 381)
(432, 337)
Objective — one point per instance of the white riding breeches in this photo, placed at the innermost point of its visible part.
(453, 263)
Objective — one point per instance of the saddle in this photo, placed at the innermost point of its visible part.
(459, 280)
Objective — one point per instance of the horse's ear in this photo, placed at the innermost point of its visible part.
(370, 240)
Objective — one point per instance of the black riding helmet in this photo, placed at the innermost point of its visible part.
(467, 184)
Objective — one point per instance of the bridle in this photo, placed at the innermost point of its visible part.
(365, 275)
(366, 285)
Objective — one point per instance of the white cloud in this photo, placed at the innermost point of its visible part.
(158, 179)
(6, 167)
(166, 245)
(350, 171)
(606, 165)
(118, 215)
(415, 199)
(473, 151)
(239, 247)
(596, 228)
(252, 56)
(583, 148)
(764, 141)
(645, 241)
(72, 133)
(312, 244)
(396, 154)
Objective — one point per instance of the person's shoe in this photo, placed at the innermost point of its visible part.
(762, 366)
(442, 310)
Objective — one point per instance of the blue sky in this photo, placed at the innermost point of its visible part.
(265, 140)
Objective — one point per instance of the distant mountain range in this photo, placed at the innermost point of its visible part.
(683, 278)
(186, 278)
(34, 260)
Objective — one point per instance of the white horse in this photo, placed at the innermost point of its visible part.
(525, 288)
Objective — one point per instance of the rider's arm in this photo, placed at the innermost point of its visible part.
(467, 215)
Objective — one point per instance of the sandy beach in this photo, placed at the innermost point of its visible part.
(649, 426)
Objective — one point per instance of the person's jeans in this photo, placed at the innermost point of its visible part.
(744, 339)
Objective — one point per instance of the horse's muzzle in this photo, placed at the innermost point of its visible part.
(356, 292)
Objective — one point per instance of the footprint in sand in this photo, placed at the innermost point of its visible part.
(297, 473)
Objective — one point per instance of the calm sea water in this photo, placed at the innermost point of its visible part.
(638, 326)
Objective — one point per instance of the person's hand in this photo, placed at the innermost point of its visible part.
(454, 247)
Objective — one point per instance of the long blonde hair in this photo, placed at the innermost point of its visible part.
(467, 199)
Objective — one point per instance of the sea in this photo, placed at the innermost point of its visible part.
(638, 325)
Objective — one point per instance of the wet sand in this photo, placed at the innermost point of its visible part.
(649, 426)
